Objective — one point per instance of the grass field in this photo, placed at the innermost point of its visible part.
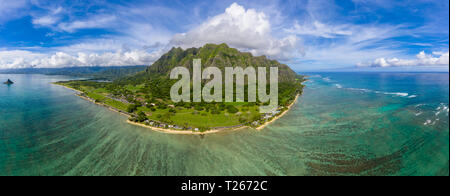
(192, 118)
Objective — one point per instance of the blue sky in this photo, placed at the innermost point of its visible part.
(306, 35)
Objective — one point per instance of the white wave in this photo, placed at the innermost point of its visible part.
(360, 89)
(442, 108)
(427, 122)
(397, 94)
(418, 114)
(418, 105)
(327, 79)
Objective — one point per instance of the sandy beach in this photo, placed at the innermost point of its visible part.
(183, 132)
(69, 88)
(100, 104)
(104, 105)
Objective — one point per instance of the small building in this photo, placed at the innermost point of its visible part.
(255, 123)
(267, 116)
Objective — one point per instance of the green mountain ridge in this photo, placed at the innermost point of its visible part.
(219, 56)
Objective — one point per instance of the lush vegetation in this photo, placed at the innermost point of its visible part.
(146, 95)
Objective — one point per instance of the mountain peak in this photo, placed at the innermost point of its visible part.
(220, 56)
(222, 45)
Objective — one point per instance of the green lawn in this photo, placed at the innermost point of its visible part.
(186, 117)
(134, 88)
(116, 104)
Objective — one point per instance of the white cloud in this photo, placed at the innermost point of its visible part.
(319, 29)
(247, 30)
(422, 59)
(26, 59)
(10, 9)
(137, 45)
(57, 10)
(99, 21)
(51, 18)
(328, 46)
(144, 35)
(332, 41)
(45, 20)
(60, 59)
(94, 46)
(17, 58)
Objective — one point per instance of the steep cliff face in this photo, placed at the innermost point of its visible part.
(220, 56)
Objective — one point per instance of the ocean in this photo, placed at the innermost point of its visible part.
(343, 124)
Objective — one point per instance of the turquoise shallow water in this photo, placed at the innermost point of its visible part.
(344, 124)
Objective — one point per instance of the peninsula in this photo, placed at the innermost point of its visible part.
(145, 96)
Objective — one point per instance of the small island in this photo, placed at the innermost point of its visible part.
(8, 82)
(145, 96)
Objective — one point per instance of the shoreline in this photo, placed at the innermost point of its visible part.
(279, 116)
(104, 105)
(186, 132)
(69, 88)
(100, 104)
